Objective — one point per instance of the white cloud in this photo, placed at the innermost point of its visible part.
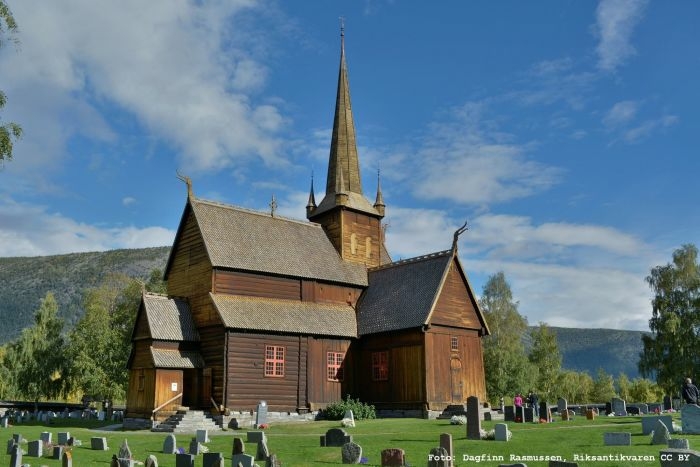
(615, 22)
(128, 201)
(29, 230)
(160, 61)
(646, 128)
(620, 113)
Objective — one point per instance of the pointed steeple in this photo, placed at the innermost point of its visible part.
(311, 204)
(379, 200)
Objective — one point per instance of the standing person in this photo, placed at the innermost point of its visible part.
(518, 400)
(534, 402)
(690, 392)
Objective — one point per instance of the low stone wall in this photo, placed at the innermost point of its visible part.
(137, 424)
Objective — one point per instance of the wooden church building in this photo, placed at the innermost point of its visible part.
(303, 313)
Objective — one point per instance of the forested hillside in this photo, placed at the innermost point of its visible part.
(25, 281)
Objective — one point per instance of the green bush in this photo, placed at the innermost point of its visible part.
(360, 410)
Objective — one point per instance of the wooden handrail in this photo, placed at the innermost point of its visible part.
(153, 413)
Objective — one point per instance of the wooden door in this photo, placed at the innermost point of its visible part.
(456, 380)
(206, 388)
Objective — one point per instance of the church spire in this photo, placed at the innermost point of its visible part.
(311, 204)
(379, 200)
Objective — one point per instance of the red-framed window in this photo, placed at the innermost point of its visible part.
(380, 366)
(274, 361)
(454, 343)
(334, 366)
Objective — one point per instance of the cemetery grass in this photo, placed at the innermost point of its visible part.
(297, 444)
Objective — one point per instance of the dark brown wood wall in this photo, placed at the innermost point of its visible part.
(256, 285)
(455, 306)
(141, 327)
(141, 357)
(140, 400)
(246, 381)
(322, 391)
(213, 351)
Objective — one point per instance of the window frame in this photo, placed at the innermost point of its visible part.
(274, 365)
(380, 365)
(335, 370)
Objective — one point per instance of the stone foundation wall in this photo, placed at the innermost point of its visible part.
(137, 424)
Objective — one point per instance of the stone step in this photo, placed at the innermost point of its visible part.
(187, 421)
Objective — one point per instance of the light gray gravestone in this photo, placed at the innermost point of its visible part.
(170, 444)
(45, 436)
(98, 444)
(4, 422)
(617, 439)
(679, 443)
(446, 442)
(255, 436)
(151, 461)
(690, 419)
(661, 434)
(262, 453)
(351, 453)
(16, 456)
(203, 436)
(562, 405)
(649, 423)
(619, 407)
(212, 459)
(261, 414)
(35, 448)
(195, 447)
(501, 432)
(63, 437)
(67, 459)
(643, 408)
(336, 437)
(679, 458)
(438, 457)
(184, 460)
(473, 418)
(238, 446)
(245, 460)
(124, 455)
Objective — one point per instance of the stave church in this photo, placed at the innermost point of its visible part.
(301, 313)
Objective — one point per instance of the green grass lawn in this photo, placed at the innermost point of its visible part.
(297, 444)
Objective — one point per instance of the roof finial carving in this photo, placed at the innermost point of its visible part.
(188, 182)
(273, 205)
(457, 233)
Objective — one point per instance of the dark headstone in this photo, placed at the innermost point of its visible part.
(501, 432)
(67, 459)
(617, 439)
(124, 455)
(509, 413)
(262, 453)
(212, 459)
(98, 444)
(11, 443)
(114, 462)
(667, 403)
(519, 414)
(446, 443)
(351, 453)
(608, 408)
(529, 415)
(238, 446)
(16, 456)
(272, 461)
(195, 447)
(255, 436)
(438, 457)
(151, 461)
(654, 407)
(619, 407)
(63, 437)
(244, 460)
(336, 437)
(393, 458)
(35, 448)
(562, 405)
(17, 437)
(473, 418)
(679, 443)
(45, 436)
(233, 424)
(261, 414)
(170, 444)
(184, 460)
(57, 452)
(203, 436)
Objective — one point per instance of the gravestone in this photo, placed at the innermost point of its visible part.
(348, 419)
(501, 432)
(17, 437)
(212, 459)
(238, 446)
(98, 444)
(35, 448)
(643, 408)
(509, 413)
(4, 422)
(244, 459)
(63, 437)
(114, 462)
(617, 439)
(272, 461)
(649, 423)
(203, 436)
(45, 436)
(16, 456)
(679, 458)
(67, 459)
(255, 436)
(261, 414)
(262, 452)
(446, 443)
(608, 408)
(654, 407)
(661, 434)
(124, 455)
(473, 418)
(170, 444)
(632, 410)
(351, 453)
(590, 414)
(545, 412)
(57, 452)
(438, 457)
(529, 416)
(335, 437)
(667, 403)
(690, 419)
(393, 457)
(618, 407)
(184, 460)
(562, 405)
(519, 414)
(11, 443)
(195, 447)
(679, 443)
(151, 461)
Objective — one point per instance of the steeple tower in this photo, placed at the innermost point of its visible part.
(350, 220)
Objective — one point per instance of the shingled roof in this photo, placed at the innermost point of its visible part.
(401, 294)
(167, 358)
(290, 316)
(169, 318)
(242, 239)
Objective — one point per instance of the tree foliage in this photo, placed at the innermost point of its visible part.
(508, 370)
(670, 353)
(9, 132)
(545, 356)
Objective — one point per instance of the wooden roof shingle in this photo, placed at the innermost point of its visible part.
(167, 358)
(169, 318)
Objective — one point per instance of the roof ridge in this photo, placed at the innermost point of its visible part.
(157, 294)
(253, 211)
(415, 259)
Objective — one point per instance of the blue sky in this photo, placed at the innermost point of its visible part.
(562, 130)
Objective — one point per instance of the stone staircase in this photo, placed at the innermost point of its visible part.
(187, 421)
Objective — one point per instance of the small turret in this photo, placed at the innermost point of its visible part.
(311, 205)
(379, 201)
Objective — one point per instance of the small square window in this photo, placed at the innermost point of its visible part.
(454, 343)
(334, 366)
(380, 366)
(274, 361)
